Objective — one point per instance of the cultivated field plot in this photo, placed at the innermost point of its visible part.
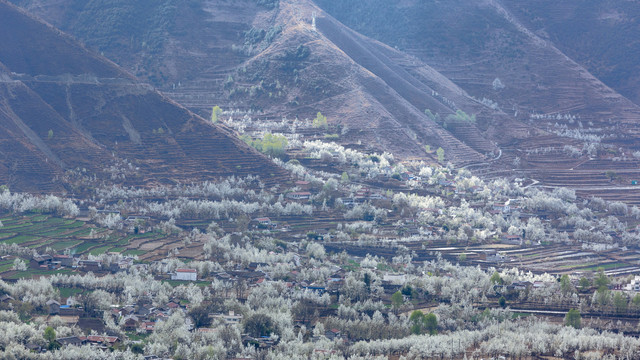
(553, 258)
(39, 231)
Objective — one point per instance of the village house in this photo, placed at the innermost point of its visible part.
(44, 259)
(511, 239)
(102, 340)
(634, 285)
(185, 274)
(398, 279)
(299, 195)
(303, 185)
(491, 256)
(147, 326)
(348, 201)
(263, 222)
(90, 265)
(54, 307)
(228, 319)
(502, 207)
(72, 340)
(130, 322)
(64, 260)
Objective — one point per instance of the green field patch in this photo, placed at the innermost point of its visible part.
(351, 266)
(516, 315)
(17, 226)
(175, 283)
(21, 239)
(606, 266)
(73, 225)
(39, 218)
(60, 245)
(134, 336)
(577, 265)
(4, 235)
(118, 249)
(100, 250)
(55, 221)
(43, 243)
(54, 232)
(85, 246)
(37, 272)
(122, 242)
(6, 265)
(9, 220)
(134, 252)
(80, 233)
(67, 292)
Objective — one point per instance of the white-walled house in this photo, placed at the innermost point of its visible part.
(185, 274)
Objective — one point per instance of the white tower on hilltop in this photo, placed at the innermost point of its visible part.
(313, 20)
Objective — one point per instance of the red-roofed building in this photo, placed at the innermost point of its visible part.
(173, 305)
(98, 339)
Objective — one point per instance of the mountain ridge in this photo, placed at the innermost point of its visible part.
(70, 118)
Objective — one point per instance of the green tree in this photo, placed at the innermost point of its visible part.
(320, 121)
(50, 336)
(440, 154)
(344, 177)
(584, 283)
(603, 296)
(573, 319)
(427, 148)
(397, 300)
(50, 134)
(270, 144)
(367, 281)
(461, 116)
(496, 279)
(200, 316)
(137, 348)
(417, 322)
(434, 117)
(502, 302)
(431, 323)
(258, 325)
(636, 301)
(215, 114)
(611, 174)
(407, 290)
(620, 302)
(565, 284)
(601, 279)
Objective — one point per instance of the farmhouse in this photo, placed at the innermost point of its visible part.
(90, 265)
(502, 207)
(185, 274)
(634, 285)
(229, 319)
(511, 239)
(263, 222)
(299, 195)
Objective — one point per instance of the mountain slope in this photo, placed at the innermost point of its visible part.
(64, 109)
(600, 35)
(538, 112)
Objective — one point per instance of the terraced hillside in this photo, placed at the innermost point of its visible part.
(64, 108)
(535, 107)
(600, 35)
